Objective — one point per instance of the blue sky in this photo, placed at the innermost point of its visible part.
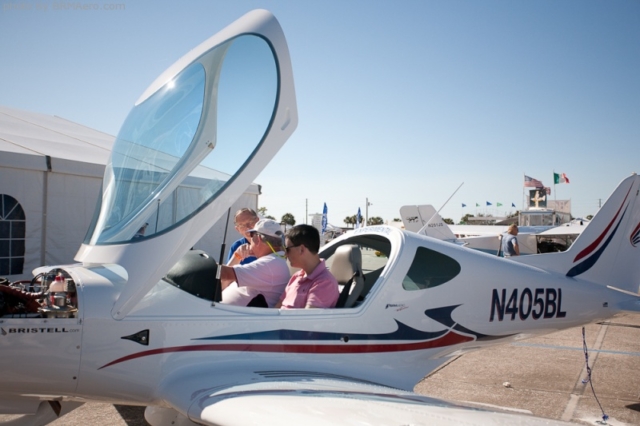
(399, 102)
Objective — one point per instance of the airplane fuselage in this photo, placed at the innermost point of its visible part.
(408, 332)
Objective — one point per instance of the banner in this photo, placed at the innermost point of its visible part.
(537, 198)
(324, 219)
(563, 206)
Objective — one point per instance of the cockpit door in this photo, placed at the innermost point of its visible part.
(192, 144)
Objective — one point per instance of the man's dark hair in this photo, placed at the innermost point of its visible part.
(306, 235)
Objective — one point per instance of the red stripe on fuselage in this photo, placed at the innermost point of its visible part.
(448, 339)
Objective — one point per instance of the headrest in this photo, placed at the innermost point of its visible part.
(346, 261)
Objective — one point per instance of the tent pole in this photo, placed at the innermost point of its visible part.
(45, 204)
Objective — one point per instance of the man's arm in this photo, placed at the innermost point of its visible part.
(234, 260)
(516, 247)
(227, 275)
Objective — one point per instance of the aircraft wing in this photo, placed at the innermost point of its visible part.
(320, 401)
(566, 229)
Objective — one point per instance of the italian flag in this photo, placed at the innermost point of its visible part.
(560, 178)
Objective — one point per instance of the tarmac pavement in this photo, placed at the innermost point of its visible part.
(542, 375)
(545, 375)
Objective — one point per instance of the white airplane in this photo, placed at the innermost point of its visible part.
(424, 219)
(126, 326)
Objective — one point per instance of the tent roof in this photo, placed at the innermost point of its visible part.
(28, 140)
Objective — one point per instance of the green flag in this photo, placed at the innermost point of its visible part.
(499, 204)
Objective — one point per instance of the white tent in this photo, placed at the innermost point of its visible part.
(50, 177)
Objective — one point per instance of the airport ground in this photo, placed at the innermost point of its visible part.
(544, 375)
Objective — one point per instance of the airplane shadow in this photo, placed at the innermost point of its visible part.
(634, 407)
(132, 416)
(617, 324)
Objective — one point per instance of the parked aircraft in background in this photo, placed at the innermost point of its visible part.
(115, 328)
(425, 220)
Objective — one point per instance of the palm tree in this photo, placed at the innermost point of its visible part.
(375, 221)
(288, 219)
(262, 212)
(350, 220)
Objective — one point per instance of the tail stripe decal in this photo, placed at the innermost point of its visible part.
(635, 236)
(587, 264)
(594, 244)
(443, 316)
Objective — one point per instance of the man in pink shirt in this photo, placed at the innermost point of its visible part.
(313, 286)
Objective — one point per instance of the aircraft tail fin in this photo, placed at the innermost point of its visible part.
(425, 220)
(607, 252)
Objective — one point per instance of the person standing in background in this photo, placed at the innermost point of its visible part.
(240, 252)
(510, 242)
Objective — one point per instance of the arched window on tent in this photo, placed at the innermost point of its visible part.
(12, 233)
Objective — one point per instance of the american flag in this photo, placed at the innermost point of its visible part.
(530, 182)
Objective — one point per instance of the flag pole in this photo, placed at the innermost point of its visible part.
(555, 194)
(522, 200)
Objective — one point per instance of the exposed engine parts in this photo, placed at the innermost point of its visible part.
(50, 295)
